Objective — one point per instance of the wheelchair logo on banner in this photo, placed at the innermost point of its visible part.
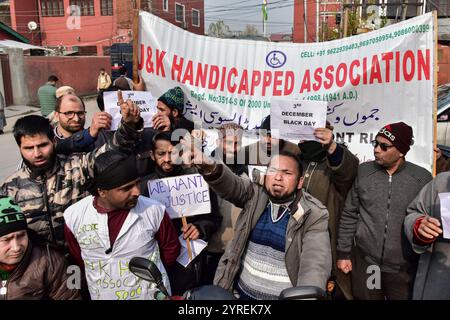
(276, 59)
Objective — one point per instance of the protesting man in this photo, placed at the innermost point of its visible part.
(197, 227)
(28, 271)
(106, 230)
(229, 146)
(170, 112)
(424, 230)
(370, 230)
(70, 113)
(49, 183)
(330, 170)
(281, 237)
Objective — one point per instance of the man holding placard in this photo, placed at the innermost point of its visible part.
(281, 237)
(427, 227)
(200, 226)
(106, 230)
(49, 183)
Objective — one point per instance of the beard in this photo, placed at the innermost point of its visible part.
(74, 128)
(282, 199)
(41, 170)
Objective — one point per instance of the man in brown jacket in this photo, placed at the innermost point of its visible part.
(28, 271)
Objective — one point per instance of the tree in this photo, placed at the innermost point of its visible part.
(250, 30)
(219, 29)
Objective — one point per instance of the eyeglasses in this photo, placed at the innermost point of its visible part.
(71, 114)
(383, 146)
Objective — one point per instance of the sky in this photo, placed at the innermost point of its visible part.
(238, 13)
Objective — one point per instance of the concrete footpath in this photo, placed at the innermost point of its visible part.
(9, 151)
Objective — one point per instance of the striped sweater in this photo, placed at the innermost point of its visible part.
(263, 273)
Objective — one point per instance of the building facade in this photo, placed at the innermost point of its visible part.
(92, 26)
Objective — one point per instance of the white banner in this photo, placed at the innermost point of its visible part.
(145, 101)
(186, 195)
(367, 80)
(295, 120)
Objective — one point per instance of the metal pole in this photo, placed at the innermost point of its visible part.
(424, 6)
(404, 9)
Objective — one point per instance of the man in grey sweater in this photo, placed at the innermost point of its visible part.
(371, 244)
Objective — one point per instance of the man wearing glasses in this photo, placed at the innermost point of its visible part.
(70, 114)
(50, 183)
(371, 244)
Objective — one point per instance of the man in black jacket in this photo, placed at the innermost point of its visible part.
(198, 226)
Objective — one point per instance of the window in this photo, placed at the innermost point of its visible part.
(195, 18)
(166, 5)
(52, 8)
(106, 7)
(86, 7)
(179, 12)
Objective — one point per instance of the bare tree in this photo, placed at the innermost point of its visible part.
(219, 30)
(250, 30)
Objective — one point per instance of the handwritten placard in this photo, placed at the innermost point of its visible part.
(143, 99)
(296, 120)
(186, 195)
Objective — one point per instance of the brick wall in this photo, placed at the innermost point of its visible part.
(78, 72)
(444, 64)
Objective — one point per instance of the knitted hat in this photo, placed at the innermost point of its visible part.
(174, 99)
(11, 217)
(399, 133)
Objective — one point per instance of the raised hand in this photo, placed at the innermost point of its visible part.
(325, 137)
(129, 110)
(101, 120)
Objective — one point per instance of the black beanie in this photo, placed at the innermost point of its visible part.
(11, 217)
(400, 134)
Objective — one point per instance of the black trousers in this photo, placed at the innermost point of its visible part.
(392, 285)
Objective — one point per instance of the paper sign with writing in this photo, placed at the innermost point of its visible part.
(295, 120)
(186, 195)
(143, 99)
(444, 199)
(197, 247)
